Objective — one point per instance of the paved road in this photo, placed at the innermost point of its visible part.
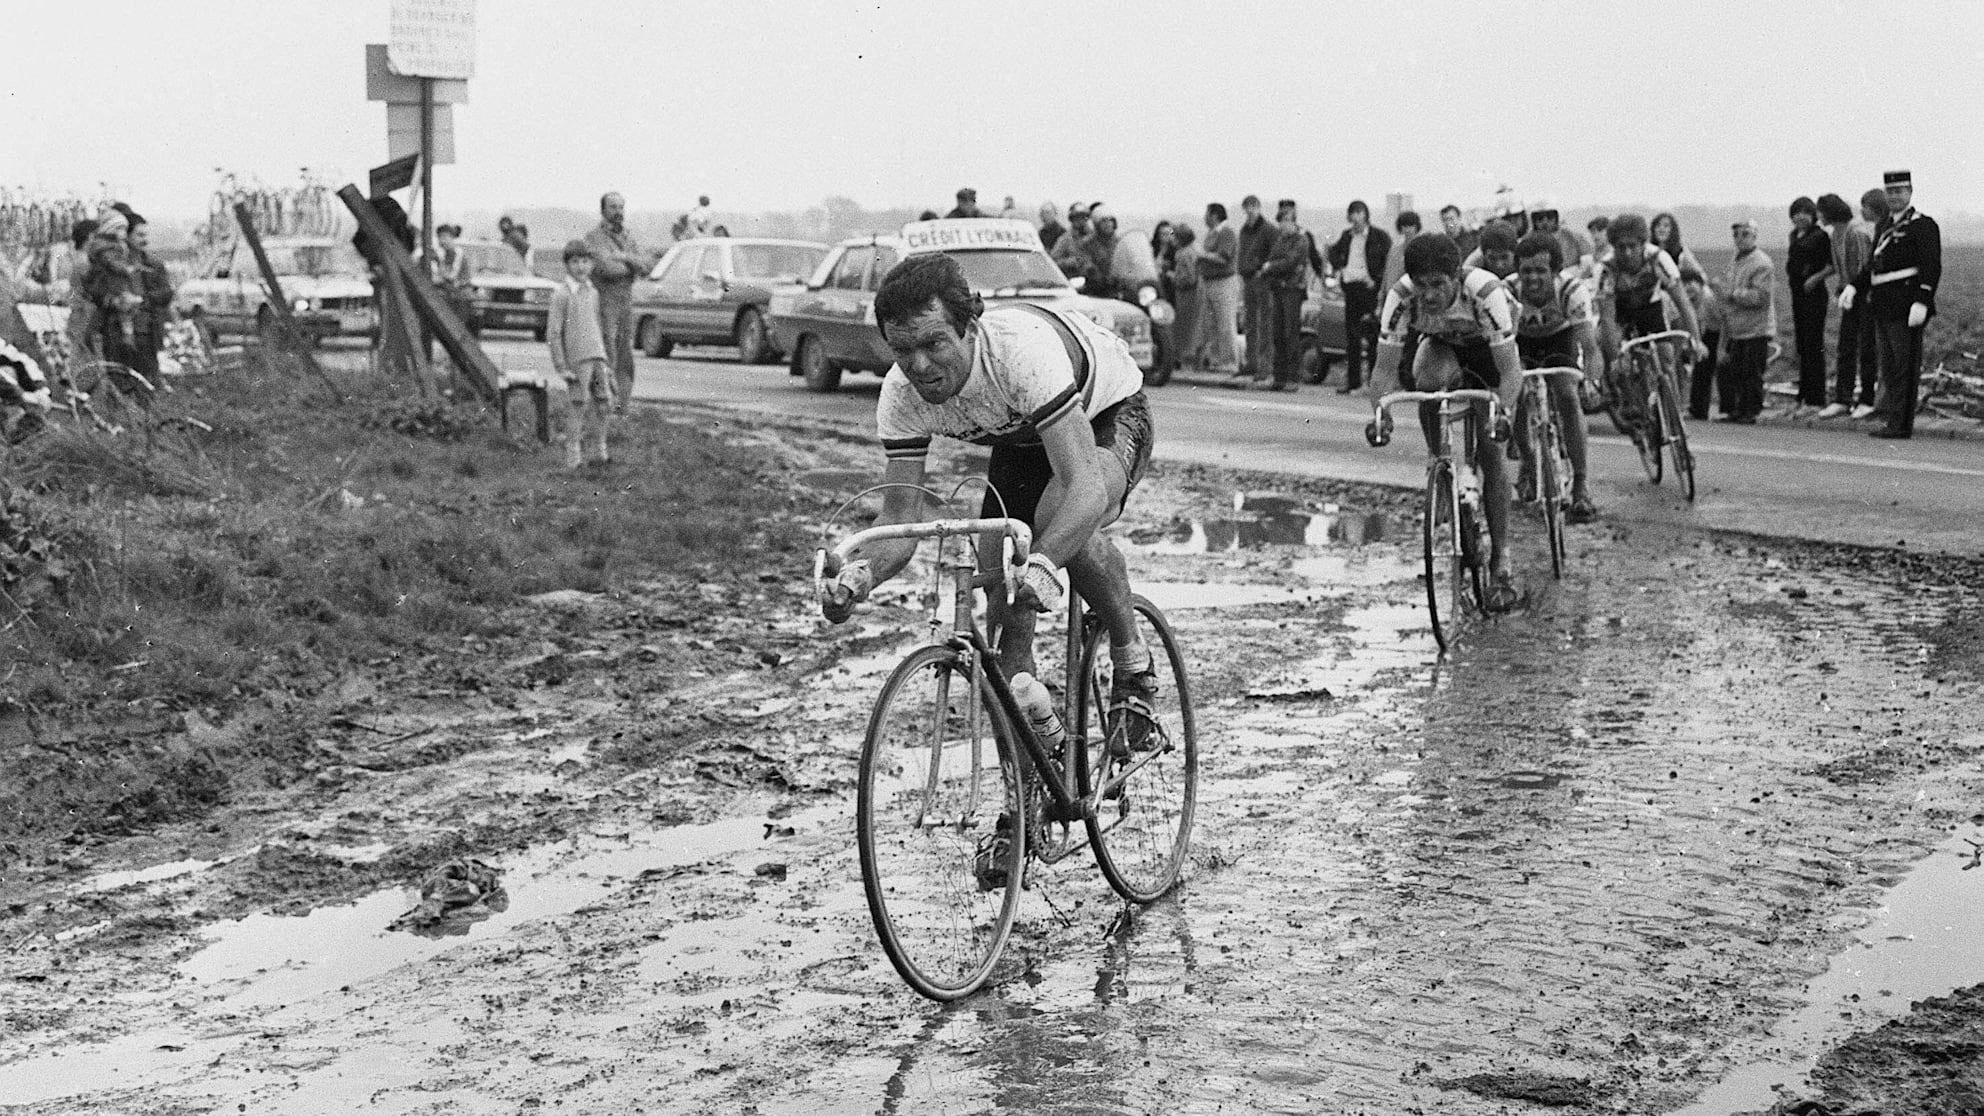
(1794, 482)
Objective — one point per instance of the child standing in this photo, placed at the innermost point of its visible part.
(578, 352)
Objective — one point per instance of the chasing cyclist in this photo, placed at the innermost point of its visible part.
(1466, 319)
(1556, 327)
(1060, 401)
(1640, 292)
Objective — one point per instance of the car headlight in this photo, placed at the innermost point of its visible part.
(301, 305)
(1161, 312)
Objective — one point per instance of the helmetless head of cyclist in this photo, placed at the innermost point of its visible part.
(928, 314)
(1628, 236)
(1432, 262)
(1538, 260)
(1498, 248)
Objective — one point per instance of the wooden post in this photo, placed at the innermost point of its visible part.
(399, 328)
(433, 309)
(426, 196)
(292, 333)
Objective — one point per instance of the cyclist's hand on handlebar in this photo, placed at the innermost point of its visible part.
(1701, 348)
(1378, 432)
(849, 586)
(1501, 430)
(1038, 586)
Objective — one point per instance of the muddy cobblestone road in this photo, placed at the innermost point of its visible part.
(1595, 862)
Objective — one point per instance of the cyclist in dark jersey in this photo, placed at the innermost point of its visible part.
(1639, 292)
(1556, 327)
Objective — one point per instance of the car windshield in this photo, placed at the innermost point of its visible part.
(313, 259)
(994, 270)
(788, 262)
(494, 259)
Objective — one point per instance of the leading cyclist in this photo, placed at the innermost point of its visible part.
(1466, 319)
(1060, 401)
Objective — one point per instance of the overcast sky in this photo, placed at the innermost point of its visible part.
(1159, 105)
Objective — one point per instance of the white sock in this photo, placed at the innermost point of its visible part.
(1130, 658)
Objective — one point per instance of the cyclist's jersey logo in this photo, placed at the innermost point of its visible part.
(1569, 305)
(1632, 293)
(1021, 380)
(1482, 312)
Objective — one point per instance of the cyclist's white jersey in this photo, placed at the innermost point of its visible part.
(1570, 305)
(1021, 380)
(1483, 312)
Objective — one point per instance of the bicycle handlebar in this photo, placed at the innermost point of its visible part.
(1378, 431)
(1574, 375)
(1654, 338)
(1017, 531)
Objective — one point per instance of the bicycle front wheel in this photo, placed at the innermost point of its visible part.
(1677, 438)
(1142, 824)
(1550, 487)
(1441, 538)
(941, 871)
(1650, 433)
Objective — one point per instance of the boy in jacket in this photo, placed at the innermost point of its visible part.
(578, 353)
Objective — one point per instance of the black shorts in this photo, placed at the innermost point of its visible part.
(1650, 318)
(1558, 350)
(1476, 360)
(1020, 473)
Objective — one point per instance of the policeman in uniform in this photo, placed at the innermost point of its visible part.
(1900, 278)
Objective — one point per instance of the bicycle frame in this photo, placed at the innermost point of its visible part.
(1071, 801)
(1379, 432)
(1648, 341)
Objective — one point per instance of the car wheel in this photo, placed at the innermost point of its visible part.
(753, 343)
(1315, 362)
(652, 341)
(811, 360)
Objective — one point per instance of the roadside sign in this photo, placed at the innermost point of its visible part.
(382, 84)
(432, 38)
(403, 133)
(968, 233)
(397, 174)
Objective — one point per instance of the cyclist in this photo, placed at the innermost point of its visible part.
(1060, 401)
(1496, 251)
(1556, 327)
(1639, 292)
(1466, 319)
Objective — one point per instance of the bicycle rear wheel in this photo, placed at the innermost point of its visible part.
(1142, 824)
(1677, 438)
(937, 773)
(1442, 549)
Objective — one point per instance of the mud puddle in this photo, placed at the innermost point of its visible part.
(1922, 941)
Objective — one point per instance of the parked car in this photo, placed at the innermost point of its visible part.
(828, 325)
(503, 294)
(715, 291)
(1323, 335)
(327, 282)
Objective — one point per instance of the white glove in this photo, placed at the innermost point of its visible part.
(1701, 349)
(1917, 314)
(1846, 298)
(1038, 582)
(849, 586)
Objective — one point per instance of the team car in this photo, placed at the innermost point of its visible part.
(829, 324)
(327, 283)
(503, 293)
(713, 290)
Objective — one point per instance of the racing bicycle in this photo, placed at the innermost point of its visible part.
(958, 792)
(1455, 524)
(1543, 433)
(1647, 404)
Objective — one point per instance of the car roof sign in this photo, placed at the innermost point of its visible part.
(966, 234)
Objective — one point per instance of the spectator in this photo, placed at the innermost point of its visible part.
(1544, 218)
(1286, 276)
(1749, 321)
(517, 236)
(1358, 258)
(1257, 237)
(1010, 211)
(1067, 251)
(1854, 367)
(927, 215)
(1601, 248)
(1099, 254)
(1899, 284)
(700, 219)
(1219, 284)
(1164, 253)
(449, 270)
(617, 260)
(967, 204)
(1051, 227)
(1807, 264)
(1702, 385)
(1408, 226)
(1667, 238)
(1188, 296)
(82, 312)
(1464, 238)
(720, 231)
(578, 353)
(154, 309)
